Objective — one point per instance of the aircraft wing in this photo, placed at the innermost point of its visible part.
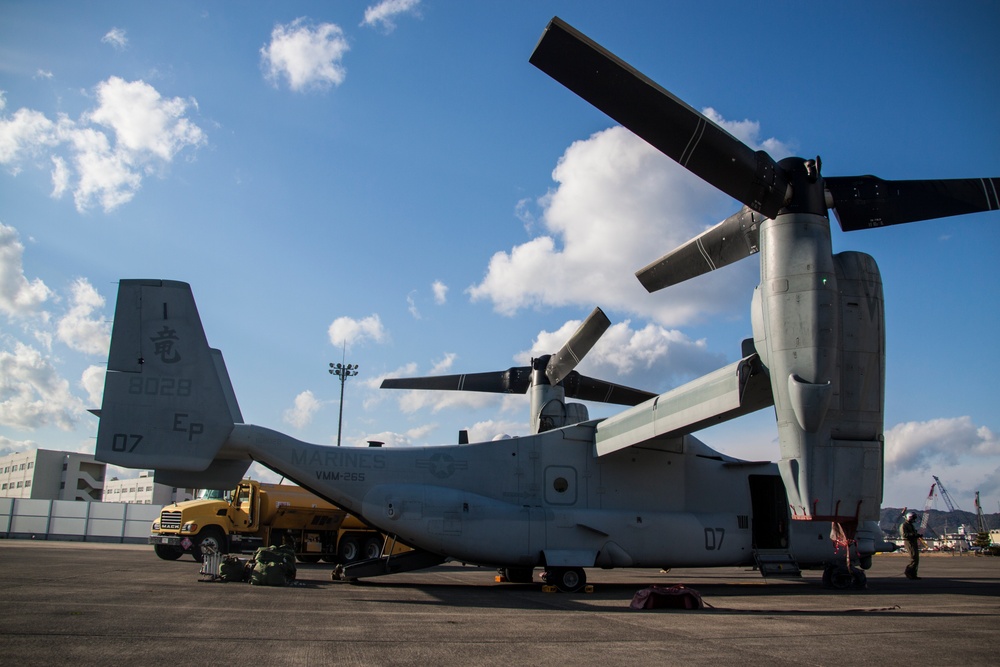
(730, 392)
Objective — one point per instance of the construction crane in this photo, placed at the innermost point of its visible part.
(952, 507)
(927, 510)
(983, 532)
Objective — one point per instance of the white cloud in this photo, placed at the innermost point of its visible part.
(8, 446)
(411, 305)
(412, 401)
(61, 177)
(19, 297)
(116, 38)
(748, 131)
(440, 292)
(302, 412)
(482, 431)
(143, 121)
(618, 205)
(444, 365)
(652, 358)
(103, 157)
(921, 445)
(965, 456)
(490, 430)
(92, 382)
(25, 134)
(392, 439)
(348, 331)
(308, 57)
(385, 12)
(79, 329)
(32, 394)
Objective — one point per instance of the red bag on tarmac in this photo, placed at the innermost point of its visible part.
(667, 597)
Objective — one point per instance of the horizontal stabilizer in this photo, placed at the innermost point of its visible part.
(730, 392)
(220, 474)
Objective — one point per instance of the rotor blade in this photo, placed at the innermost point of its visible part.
(591, 389)
(862, 202)
(731, 240)
(663, 120)
(511, 381)
(579, 344)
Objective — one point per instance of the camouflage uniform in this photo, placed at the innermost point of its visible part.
(909, 534)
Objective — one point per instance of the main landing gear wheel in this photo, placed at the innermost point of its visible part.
(566, 579)
(840, 578)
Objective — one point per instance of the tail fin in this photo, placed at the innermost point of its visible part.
(168, 401)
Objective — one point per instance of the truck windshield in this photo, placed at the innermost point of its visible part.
(214, 494)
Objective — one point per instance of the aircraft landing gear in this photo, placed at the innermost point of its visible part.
(516, 575)
(842, 578)
(566, 579)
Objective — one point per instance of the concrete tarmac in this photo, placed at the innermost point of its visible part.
(96, 604)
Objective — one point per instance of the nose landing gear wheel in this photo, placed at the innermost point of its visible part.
(566, 579)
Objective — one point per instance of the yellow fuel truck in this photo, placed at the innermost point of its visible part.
(258, 515)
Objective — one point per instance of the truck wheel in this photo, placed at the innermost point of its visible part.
(348, 550)
(373, 547)
(209, 537)
(167, 552)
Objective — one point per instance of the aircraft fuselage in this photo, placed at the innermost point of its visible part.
(546, 499)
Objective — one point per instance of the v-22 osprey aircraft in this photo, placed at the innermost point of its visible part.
(637, 489)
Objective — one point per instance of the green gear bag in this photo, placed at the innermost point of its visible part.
(273, 566)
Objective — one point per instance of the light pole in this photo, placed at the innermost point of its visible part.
(343, 371)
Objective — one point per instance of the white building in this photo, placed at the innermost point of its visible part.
(47, 474)
(144, 491)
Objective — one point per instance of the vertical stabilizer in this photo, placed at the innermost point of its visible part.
(168, 401)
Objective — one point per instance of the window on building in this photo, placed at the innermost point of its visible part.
(3, 488)
(31, 464)
(20, 484)
(22, 467)
(27, 484)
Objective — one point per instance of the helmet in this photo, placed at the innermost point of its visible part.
(910, 516)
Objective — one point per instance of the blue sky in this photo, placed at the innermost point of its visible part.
(395, 177)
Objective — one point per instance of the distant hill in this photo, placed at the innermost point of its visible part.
(939, 522)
